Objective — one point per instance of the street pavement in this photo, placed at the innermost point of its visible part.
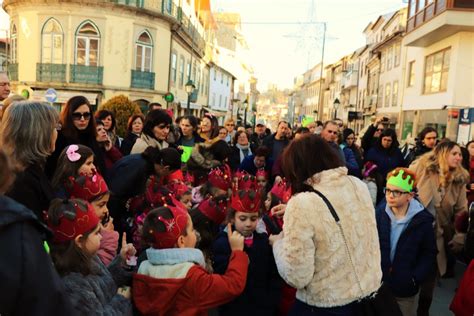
(444, 292)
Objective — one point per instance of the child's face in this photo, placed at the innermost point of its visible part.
(87, 167)
(262, 181)
(186, 199)
(245, 223)
(100, 206)
(397, 197)
(268, 201)
(188, 241)
(92, 244)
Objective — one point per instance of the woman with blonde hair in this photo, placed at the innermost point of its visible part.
(442, 190)
(28, 134)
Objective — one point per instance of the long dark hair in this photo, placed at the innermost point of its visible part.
(388, 133)
(68, 128)
(305, 157)
(68, 257)
(214, 132)
(166, 157)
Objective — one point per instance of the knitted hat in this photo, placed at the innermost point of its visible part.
(78, 217)
(86, 188)
(214, 209)
(174, 226)
(246, 197)
(282, 191)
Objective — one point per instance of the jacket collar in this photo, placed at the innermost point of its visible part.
(175, 255)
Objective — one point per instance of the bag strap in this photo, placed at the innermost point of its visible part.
(338, 223)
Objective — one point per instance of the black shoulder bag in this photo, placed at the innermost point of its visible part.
(382, 302)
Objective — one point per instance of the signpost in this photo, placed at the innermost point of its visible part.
(51, 95)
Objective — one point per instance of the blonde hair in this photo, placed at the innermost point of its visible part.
(25, 132)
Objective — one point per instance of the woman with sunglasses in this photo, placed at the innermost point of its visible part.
(155, 132)
(77, 127)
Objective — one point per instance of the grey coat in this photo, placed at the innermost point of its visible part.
(96, 294)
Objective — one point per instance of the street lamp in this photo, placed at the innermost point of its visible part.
(336, 107)
(245, 111)
(189, 87)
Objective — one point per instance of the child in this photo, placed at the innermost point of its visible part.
(89, 285)
(173, 281)
(262, 178)
(407, 242)
(369, 178)
(94, 190)
(279, 194)
(182, 193)
(262, 291)
(73, 161)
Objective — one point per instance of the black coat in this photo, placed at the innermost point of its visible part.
(127, 143)
(269, 142)
(368, 140)
(29, 284)
(415, 256)
(262, 291)
(63, 141)
(234, 157)
(32, 189)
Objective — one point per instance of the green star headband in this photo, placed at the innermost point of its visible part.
(401, 179)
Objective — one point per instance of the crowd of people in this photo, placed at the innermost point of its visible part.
(182, 216)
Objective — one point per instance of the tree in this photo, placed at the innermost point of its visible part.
(122, 108)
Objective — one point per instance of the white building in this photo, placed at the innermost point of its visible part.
(221, 84)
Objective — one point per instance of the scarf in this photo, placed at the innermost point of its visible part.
(241, 151)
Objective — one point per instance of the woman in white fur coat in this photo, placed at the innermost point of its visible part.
(311, 253)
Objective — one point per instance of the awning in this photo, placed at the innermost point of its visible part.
(63, 96)
(192, 105)
(216, 113)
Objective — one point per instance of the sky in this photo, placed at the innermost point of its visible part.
(282, 42)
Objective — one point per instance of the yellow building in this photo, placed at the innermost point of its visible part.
(100, 49)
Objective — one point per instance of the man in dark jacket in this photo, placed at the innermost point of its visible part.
(259, 135)
(30, 285)
(277, 142)
(259, 160)
(407, 242)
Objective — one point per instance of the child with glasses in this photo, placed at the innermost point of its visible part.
(407, 241)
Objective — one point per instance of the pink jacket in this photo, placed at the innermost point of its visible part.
(108, 246)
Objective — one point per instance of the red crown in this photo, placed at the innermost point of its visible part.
(155, 194)
(178, 188)
(176, 176)
(78, 217)
(216, 211)
(262, 173)
(282, 191)
(174, 226)
(246, 181)
(86, 188)
(221, 177)
(246, 197)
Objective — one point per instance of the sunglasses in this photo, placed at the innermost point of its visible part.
(77, 116)
(380, 129)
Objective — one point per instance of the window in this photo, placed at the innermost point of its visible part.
(87, 45)
(411, 74)
(193, 74)
(188, 70)
(397, 51)
(389, 58)
(13, 44)
(388, 94)
(412, 8)
(213, 99)
(215, 74)
(383, 58)
(436, 71)
(222, 77)
(225, 102)
(181, 71)
(220, 100)
(144, 52)
(52, 43)
(395, 94)
(380, 96)
(228, 79)
(198, 78)
(174, 67)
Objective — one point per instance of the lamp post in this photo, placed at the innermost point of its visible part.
(245, 111)
(336, 106)
(189, 87)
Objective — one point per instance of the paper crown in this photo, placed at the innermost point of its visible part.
(175, 226)
(86, 188)
(155, 194)
(282, 190)
(214, 209)
(176, 176)
(262, 173)
(78, 217)
(246, 195)
(401, 178)
(245, 181)
(221, 177)
(178, 188)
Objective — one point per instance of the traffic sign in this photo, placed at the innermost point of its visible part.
(51, 95)
(169, 97)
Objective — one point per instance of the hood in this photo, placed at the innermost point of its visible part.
(414, 208)
(14, 212)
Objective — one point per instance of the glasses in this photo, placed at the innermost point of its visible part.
(77, 116)
(379, 129)
(394, 193)
(230, 125)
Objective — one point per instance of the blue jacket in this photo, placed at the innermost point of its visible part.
(248, 165)
(415, 254)
(351, 162)
(263, 288)
(385, 160)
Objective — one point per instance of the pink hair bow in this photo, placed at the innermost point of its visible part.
(72, 154)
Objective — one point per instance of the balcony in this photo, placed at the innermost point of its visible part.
(143, 80)
(50, 72)
(13, 72)
(438, 20)
(86, 74)
(349, 80)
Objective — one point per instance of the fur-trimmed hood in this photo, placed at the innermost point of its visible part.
(202, 158)
(431, 166)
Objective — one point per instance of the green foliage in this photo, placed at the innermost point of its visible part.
(123, 108)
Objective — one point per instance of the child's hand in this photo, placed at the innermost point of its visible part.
(278, 210)
(125, 291)
(109, 226)
(127, 249)
(236, 240)
(273, 238)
